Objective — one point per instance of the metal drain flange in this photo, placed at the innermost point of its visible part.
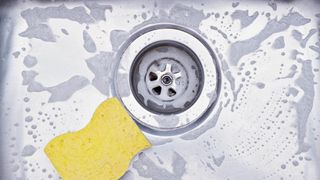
(167, 77)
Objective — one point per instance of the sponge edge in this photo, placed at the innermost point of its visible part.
(102, 150)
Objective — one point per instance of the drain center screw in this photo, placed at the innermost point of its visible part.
(166, 79)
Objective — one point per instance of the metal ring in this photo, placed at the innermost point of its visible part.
(167, 122)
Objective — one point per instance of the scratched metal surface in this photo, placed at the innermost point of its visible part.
(55, 60)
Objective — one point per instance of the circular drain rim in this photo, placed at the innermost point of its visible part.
(168, 123)
(186, 98)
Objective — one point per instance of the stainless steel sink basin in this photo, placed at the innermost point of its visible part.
(251, 68)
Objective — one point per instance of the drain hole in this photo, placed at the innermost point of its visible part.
(153, 77)
(171, 92)
(157, 90)
(163, 81)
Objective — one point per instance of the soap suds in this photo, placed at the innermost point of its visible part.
(316, 49)
(26, 99)
(28, 150)
(218, 160)
(16, 54)
(293, 71)
(278, 114)
(37, 19)
(272, 4)
(235, 4)
(28, 118)
(64, 31)
(231, 80)
(303, 41)
(194, 134)
(15, 168)
(39, 31)
(30, 61)
(28, 77)
(167, 122)
(158, 142)
(260, 85)
(88, 44)
(224, 35)
(305, 104)
(148, 169)
(65, 90)
(125, 86)
(127, 176)
(292, 91)
(101, 66)
(60, 92)
(228, 74)
(295, 53)
(187, 15)
(97, 11)
(210, 166)
(179, 14)
(117, 37)
(242, 48)
(243, 17)
(235, 94)
(144, 16)
(279, 43)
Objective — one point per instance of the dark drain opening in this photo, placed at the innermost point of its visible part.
(153, 76)
(171, 92)
(157, 90)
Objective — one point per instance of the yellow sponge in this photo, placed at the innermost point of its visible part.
(100, 151)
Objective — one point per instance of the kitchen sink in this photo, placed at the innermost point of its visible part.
(222, 89)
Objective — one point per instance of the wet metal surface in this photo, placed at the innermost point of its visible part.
(58, 62)
(201, 77)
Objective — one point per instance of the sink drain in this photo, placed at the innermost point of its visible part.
(167, 77)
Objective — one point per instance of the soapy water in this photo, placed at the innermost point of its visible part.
(268, 99)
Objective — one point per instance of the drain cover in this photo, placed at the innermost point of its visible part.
(167, 77)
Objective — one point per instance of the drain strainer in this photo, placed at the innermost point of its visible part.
(167, 77)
